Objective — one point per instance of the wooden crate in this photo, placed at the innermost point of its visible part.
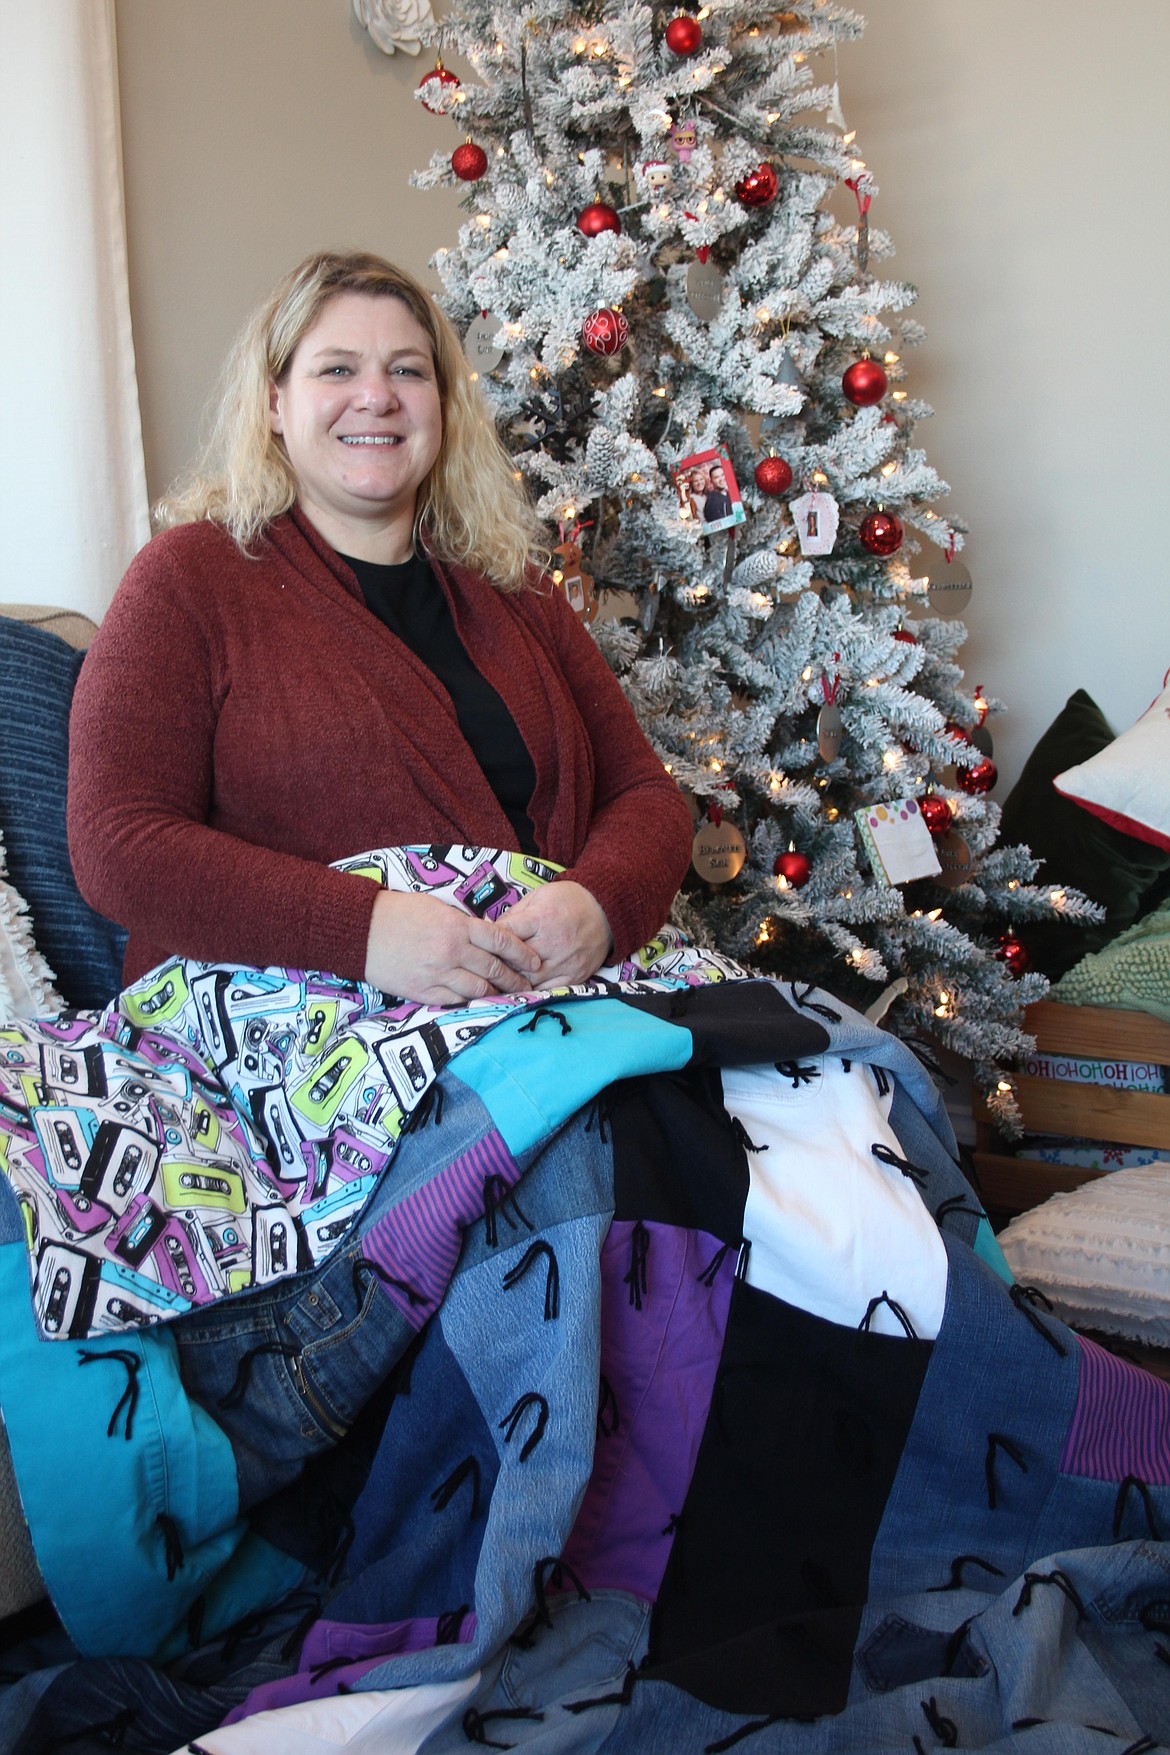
(1132, 1118)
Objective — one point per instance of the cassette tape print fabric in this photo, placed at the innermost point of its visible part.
(218, 1128)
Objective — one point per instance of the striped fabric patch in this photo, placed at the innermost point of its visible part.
(417, 1243)
(1121, 1422)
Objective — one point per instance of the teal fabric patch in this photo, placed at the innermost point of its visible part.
(256, 1575)
(532, 1078)
(86, 1429)
(988, 1250)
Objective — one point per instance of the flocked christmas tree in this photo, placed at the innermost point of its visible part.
(673, 299)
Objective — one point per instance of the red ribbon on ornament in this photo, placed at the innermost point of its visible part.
(949, 550)
(857, 184)
(702, 251)
(715, 811)
(830, 694)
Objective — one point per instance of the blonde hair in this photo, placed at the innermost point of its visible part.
(471, 506)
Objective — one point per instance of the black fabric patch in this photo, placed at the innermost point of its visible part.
(807, 1426)
(737, 1023)
(676, 1160)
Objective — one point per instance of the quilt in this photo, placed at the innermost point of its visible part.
(624, 1368)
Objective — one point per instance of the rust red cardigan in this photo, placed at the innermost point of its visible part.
(241, 722)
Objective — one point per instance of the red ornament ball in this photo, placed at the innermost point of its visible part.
(981, 778)
(957, 733)
(758, 187)
(605, 331)
(598, 217)
(684, 35)
(438, 84)
(880, 533)
(773, 475)
(794, 868)
(906, 637)
(936, 814)
(469, 162)
(864, 383)
(1013, 953)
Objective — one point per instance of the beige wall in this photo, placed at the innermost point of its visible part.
(1020, 151)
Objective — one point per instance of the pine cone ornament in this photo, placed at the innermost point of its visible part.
(601, 457)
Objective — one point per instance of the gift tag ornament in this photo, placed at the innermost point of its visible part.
(718, 852)
(704, 288)
(479, 343)
(955, 859)
(816, 517)
(570, 578)
(898, 843)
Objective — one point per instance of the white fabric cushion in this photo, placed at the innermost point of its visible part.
(396, 1721)
(26, 981)
(1102, 1253)
(1127, 784)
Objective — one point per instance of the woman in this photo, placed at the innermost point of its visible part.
(339, 641)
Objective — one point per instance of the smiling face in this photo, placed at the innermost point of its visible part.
(718, 479)
(359, 412)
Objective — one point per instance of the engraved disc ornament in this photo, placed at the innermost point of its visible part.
(718, 852)
(830, 732)
(950, 588)
(704, 290)
(479, 343)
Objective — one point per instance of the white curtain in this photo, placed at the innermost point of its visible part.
(73, 504)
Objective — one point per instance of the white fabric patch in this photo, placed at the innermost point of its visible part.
(26, 981)
(385, 1721)
(830, 1226)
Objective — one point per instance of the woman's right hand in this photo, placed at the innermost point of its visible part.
(423, 949)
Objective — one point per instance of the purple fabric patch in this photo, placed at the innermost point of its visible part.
(335, 1651)
(651, 1419)
(417, 1242)
(1121, 1422)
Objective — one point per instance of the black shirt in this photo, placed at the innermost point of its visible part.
(412, 604)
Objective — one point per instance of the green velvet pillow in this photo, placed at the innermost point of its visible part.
(1076, 847)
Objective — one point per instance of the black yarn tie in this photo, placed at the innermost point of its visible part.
(546, 1011)
(955, 1203)
(881, 1079)
(552, 1284)
(894, 1308)
(886, 1155)
(1123, 1492)
(475, 1723)
(510, 1421)
(955, 1581)
(363, 1264)
(609, 1419)
(955, 1645)
(449, 1625)
(621, 1698)
(468, 1469)
(636, 1279)
(552, 1570)
(174, 1546)
(1141, 1747)
(428, 1108)
(1025, 1298)
(1058, 1578)
(1027, 1724)
(995, 1443)
(945, 1729)
(744, 1731)
(742, 1138)
(805, 1004)
(129, 1397)
(497, 1198)
(742, 1259)
(711, 1272)
(792, 1069)
(239, 1389)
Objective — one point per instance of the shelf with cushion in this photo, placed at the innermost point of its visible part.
(1137, 1118)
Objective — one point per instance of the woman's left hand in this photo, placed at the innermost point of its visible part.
(567, 928)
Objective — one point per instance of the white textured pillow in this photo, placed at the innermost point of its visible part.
(1102, 1253)
(1127, 784)
(26, 981)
